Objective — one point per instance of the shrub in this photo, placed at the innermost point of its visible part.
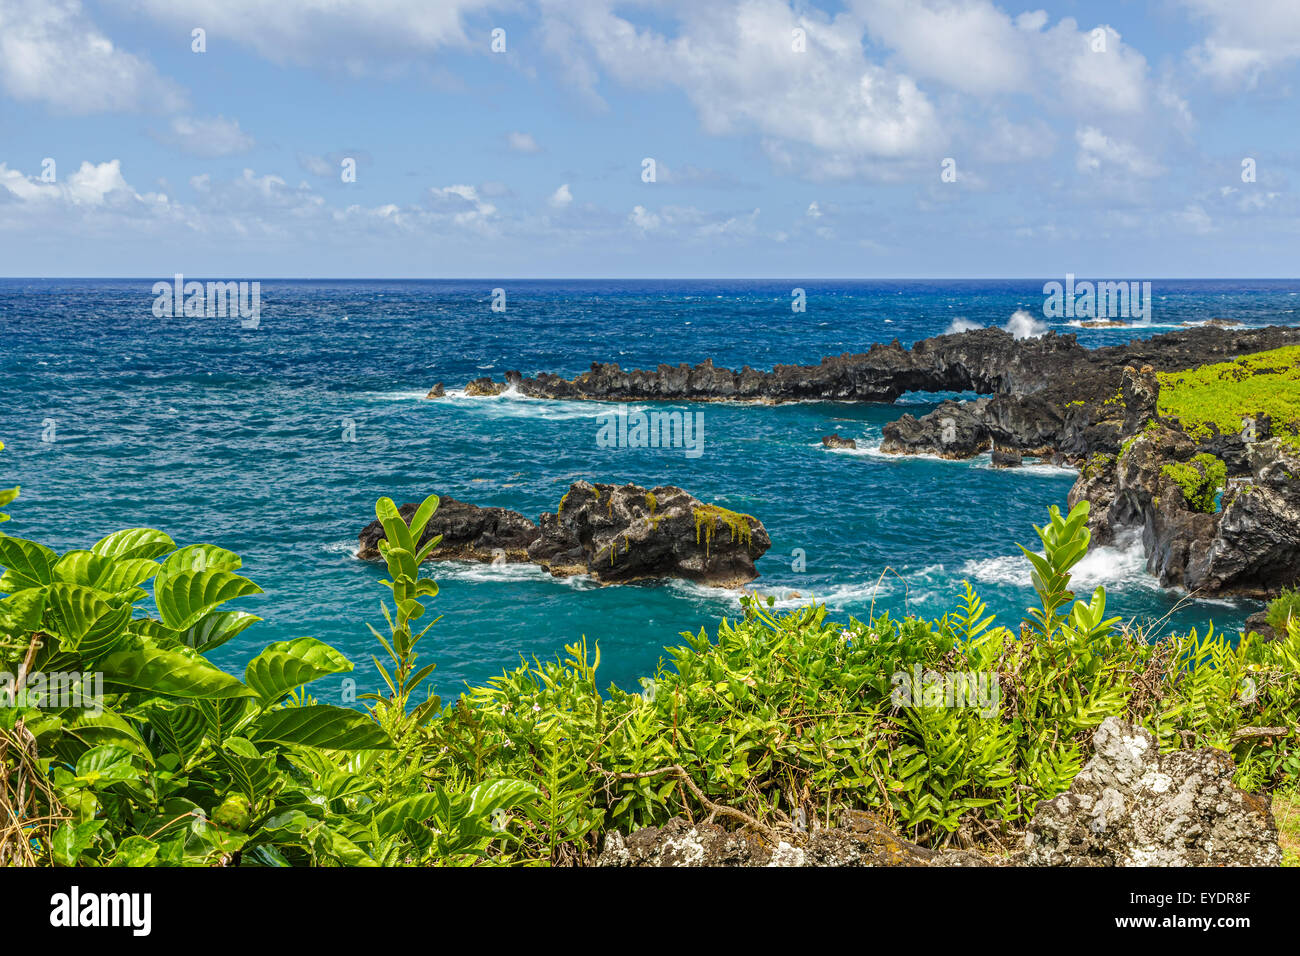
(1200, 480)
(1284, 609)
(773, 723)
(1218, 397)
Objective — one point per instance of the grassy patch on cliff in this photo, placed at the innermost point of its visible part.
(1223, 395)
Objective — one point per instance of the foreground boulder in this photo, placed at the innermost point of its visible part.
(614, 534)
(860, 840)
(469, 533)
(1134, 806)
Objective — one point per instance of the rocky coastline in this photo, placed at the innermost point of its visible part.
(1049, 398)
(613, 534)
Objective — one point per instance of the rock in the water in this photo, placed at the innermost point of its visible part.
(1134, 806)
(614, 534)
(1257, 623)
(834, 440)
(438, 391)
(1006, 458)
(484, 386)
(627, 533)
(469, 533)
(953, 430)
(860, 840)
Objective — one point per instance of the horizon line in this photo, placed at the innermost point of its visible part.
(483, 278)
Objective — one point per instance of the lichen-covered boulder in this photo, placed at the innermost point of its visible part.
(1134, 806)
(860, 840)
(627, 533)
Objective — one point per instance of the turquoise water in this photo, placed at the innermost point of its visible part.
(233, 436)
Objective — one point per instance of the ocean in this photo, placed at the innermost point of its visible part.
(275, 442)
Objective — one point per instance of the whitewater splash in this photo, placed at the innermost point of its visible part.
(1022, 325)
(1118, 566)
(514, 404)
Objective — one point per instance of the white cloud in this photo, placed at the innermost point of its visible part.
(359, 36)
(1247, 39)
(971, 46)
(1099, 153)
(736, 64)
(463, 206)
(976, 48)
(644, 220)
(208, 137)
(561, 197)
(523, 143)
(51, 52)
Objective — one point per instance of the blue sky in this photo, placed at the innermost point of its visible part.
(1103, 139)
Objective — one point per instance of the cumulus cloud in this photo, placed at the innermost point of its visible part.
(737, 64)
(52, 53)
(1247, 39)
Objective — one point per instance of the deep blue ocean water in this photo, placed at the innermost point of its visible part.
(235, 436)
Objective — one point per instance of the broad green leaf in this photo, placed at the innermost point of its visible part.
(179, 728)
(211, 632)
(170, 672)
(200, 557)
(250, 771)
(321, 725)
(185, 597)
(285, 665)
(134, 543)
(223, 717)
(135, 851)
(27, 564)
(84, 621)
(21, 613)
(70, 842)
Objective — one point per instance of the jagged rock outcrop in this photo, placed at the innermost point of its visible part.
(628, 533)
(615, 534)
(1250, 546)
(860, 840)
(469, 533)
(834, 440)
(484, 386)
(1049, 391)
(1002, 458)
(1134, 806)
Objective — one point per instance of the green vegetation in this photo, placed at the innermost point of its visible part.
(1286, 810)
(1223, 395)
(706, 522)
(1284, 609)
(1200, 479)
(775, 720)
(120, 744)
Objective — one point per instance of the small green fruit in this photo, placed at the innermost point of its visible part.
(233, 814)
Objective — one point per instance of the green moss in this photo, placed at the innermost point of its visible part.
(707, 518)
(1200, 479)
(1098, 465)
(560, 510)
(1222, 396)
